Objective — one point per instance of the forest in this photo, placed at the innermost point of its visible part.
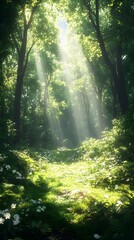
(66, 119)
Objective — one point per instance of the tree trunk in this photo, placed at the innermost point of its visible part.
(117, 75)
(98, 90)
(22, 64)
(19, 84)
(121, 81)
(114, 94)
(3, 120)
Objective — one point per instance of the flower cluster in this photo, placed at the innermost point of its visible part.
(7, 167)
(39, 208)
(6, 214)
(36, 204)
(18, 174)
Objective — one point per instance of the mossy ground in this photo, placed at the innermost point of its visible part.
(63, 195)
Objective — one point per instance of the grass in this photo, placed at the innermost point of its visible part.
(63, 195)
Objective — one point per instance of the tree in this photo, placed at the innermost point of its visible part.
(8, 16)
(95, 11)
(23, 55)
(115, 68)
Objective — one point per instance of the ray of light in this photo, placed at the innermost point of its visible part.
(54, 122)
(78, 78)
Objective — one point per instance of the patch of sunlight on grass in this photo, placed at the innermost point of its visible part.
(23, 155)
(69, 183)
(71, 189)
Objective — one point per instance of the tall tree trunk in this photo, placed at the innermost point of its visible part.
(23, 55)
(101, 120)
(117, 75)
(121, 80)
(98, 90)
(114, 94)
(3, 122)
(87, 111)
(19, 84)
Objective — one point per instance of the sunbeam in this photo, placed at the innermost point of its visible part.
(54, 122)
(79, 81)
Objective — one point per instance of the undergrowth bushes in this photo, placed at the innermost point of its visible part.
(112, 156)
(79, 194)
(119, 142)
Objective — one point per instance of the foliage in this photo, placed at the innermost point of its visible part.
(113, 152)
(82, 193)
(89, 95)
(117, 142)
(76, 194)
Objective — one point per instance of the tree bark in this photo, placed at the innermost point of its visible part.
(19, 84)
(116, 71)
(121, 81)
(3, 120)
(23, 55)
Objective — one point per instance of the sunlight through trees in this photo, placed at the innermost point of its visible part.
(66, 120)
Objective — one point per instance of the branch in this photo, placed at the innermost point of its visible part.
(27, 56)
(32, 13)
(31, 17)
(91, 14)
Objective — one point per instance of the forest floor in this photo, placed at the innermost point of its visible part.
(59, 195)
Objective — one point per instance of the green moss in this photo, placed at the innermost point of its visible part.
(81, 192)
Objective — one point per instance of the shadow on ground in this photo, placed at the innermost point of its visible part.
(52, 223)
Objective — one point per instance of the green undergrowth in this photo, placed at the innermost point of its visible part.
(65, 194)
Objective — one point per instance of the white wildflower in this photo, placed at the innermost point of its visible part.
(97, 236)
(39, 209)
(118, 203)
(1, 169)
(2, 220)
(13, 205)
(14, 171)
(7, 215)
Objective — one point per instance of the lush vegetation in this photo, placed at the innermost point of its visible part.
(66, 120)
(85, 193)
(66, 69)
